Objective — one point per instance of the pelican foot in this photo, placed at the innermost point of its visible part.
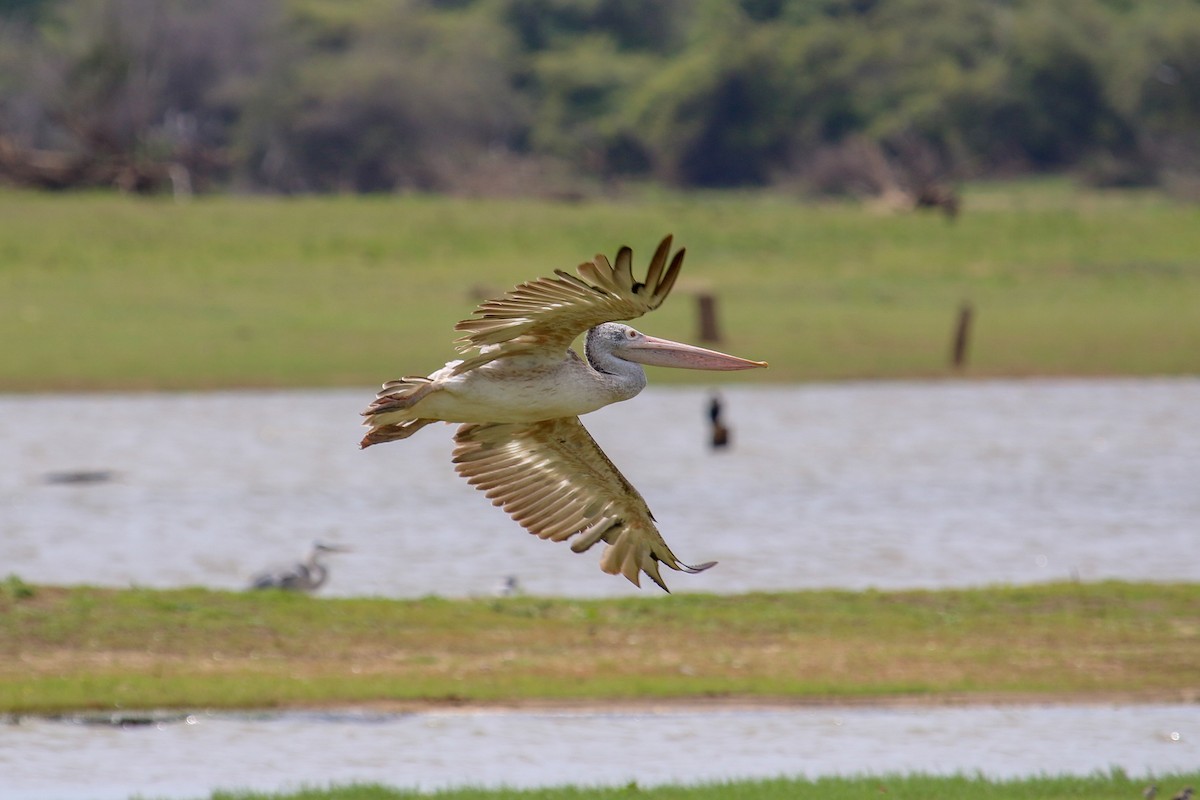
(394, 432)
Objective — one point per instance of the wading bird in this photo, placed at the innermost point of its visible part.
(519, 391)
(720, 432)
(304, 576)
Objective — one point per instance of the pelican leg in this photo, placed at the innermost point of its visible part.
(400, 395)
(394, 432)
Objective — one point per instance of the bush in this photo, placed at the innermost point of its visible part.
(379, 95)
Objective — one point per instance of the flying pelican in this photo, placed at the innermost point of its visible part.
(303, 576)
(519, 391)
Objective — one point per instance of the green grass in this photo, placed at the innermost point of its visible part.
(1115, 785)
(103, 291)
(84, 648)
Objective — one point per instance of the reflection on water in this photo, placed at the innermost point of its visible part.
(855, 485)
(41, 759)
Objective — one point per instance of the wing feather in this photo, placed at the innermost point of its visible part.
(553, 479)
(657, 262)
(545, 315)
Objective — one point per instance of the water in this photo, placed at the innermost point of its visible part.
(852, 485)
(42, 759)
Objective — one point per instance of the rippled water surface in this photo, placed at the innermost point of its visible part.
(42, 759)
(856, 485)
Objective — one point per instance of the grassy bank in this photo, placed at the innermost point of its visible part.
(85, 648)
(1111, 786)
(107, 292)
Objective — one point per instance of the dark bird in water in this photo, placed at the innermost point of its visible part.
(511, 587)
(720, 433)
(519, 390)
(304, 576)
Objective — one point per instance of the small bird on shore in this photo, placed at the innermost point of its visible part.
(510, 587)
(520, 389)
(303, 576)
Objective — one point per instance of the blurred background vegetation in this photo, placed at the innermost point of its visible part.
(562, 98)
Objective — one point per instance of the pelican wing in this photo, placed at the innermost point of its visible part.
(553, 479)
(546, 314)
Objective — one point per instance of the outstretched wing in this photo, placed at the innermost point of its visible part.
(548, 313)
(553, 479)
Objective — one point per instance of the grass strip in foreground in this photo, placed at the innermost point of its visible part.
(81, 648)
(1101, 786)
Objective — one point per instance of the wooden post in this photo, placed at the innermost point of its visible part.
(962, 336)
(707, 308)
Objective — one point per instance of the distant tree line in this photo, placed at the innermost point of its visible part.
(548, 96)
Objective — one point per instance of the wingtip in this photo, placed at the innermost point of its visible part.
(688, 568)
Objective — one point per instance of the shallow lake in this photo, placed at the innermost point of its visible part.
(189, 758)
(846, 485)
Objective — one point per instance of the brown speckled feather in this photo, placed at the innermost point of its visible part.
(545, 315)
(553, 479)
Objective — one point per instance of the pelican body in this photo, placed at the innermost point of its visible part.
(520, 389)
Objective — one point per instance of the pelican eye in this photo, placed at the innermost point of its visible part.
(631, 334)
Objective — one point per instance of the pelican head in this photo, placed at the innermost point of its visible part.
(629, 344)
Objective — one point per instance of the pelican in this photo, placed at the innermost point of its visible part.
(519, 391)
(303, 576)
